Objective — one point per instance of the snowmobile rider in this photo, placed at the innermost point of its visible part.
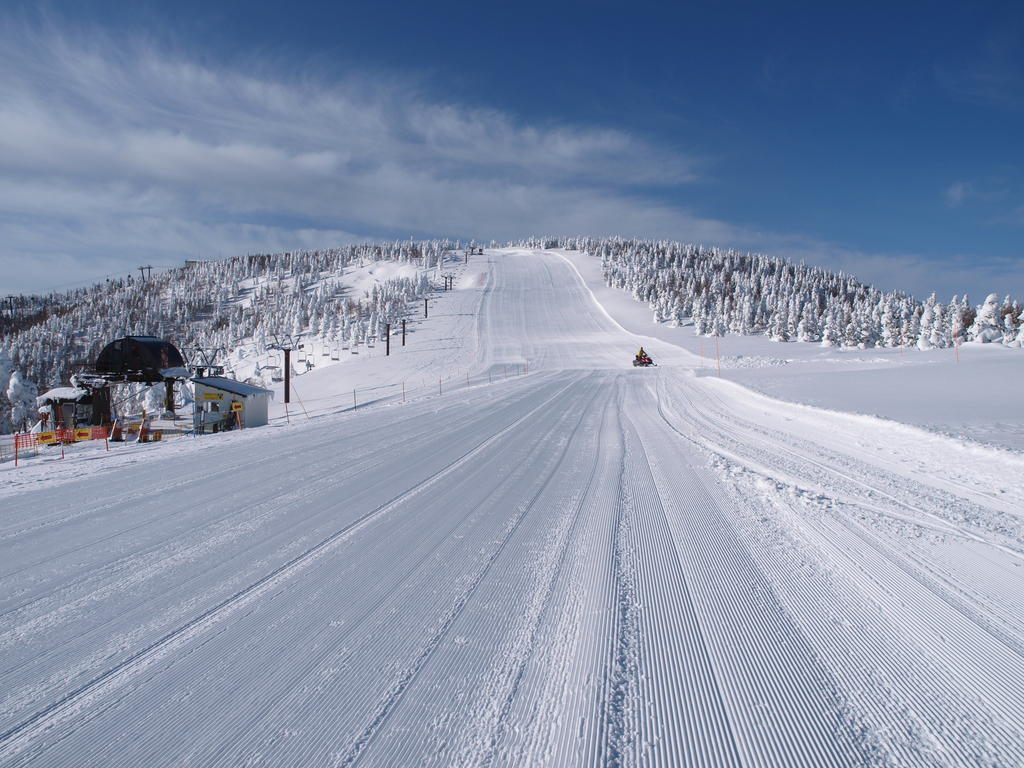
(641, 354)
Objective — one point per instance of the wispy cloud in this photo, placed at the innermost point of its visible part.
(957, 192)
(994, 76)
(117, 152)
(105, 142)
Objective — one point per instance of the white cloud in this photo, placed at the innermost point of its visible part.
(104, 142)
(957, 192)
(115, 153)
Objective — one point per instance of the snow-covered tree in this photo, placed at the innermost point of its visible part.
(957, 324)
(6, 369)
(779, 330)
(830, 333)
(889, 325)
(927, 318)
(939, 335)
(1011, 315)
(154, 399)
(987, 326)
(21, 394)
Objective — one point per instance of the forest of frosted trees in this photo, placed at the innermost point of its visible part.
(209, 305)
(256, 299)
(724, 292)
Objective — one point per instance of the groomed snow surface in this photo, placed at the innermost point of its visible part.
(540, 556)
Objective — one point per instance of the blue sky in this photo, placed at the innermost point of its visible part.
(883, 139)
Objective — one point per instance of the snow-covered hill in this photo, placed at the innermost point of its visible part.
(234, 308)
(720, 291)
(970, 391)
(551, 559)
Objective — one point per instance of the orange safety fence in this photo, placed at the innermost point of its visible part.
(24, 441)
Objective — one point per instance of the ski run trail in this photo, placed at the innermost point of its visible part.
(584, 564)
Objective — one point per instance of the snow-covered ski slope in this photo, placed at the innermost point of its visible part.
(586, 565)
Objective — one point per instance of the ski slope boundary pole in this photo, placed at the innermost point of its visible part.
(301, 404)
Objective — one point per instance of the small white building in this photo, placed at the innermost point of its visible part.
(223, 403)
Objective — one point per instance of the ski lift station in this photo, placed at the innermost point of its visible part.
(218, 399)
(70, 407)
(146, 359)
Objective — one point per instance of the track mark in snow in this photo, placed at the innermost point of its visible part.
(494, 723)
(69, 705)
(409, 675)
(915, 687)
(623, 673)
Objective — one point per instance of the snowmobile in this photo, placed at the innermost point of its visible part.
(643, 361)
